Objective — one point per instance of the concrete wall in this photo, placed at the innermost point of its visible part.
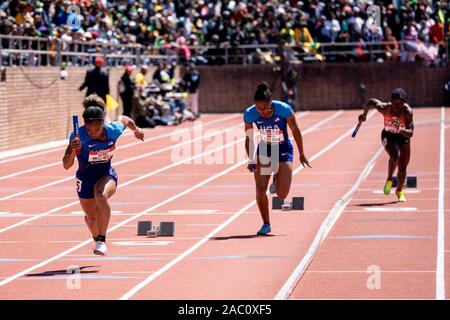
(36, 106)
(323, 86)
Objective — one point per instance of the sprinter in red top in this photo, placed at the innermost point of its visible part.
(397, 132)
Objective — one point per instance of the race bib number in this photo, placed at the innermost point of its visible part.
(78, 184)
(272, 135)
(393, 124)
(100, 156)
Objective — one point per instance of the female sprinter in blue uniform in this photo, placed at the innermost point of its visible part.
(275, 152)
(96, 178)
(395, 136)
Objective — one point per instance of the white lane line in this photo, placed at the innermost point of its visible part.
(40, 241)
(82, 212)
(133, 180)
(205, 239)
(142, 243)
(440, 260)
(125, 146)
(168, 200)
(32, 151)
(202, 225)
(393, 209)
(365, 271)
(405, 190)
(126, 255)
(131, 272)
(324, 229)
(11, 214)
(18, 173)
(192, 211)
(372, 200)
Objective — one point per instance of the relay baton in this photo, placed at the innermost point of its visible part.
(75, 131)
(356, 129)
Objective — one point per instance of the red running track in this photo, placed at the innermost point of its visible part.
(373, 249)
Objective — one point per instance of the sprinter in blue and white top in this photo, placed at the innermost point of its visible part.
(96, 178)
(275, 152)
(273, 130)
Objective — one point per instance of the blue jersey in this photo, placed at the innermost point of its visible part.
(95, 156)
(274, 129)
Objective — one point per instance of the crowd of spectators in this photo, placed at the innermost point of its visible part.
(163, 100)
(171, 25)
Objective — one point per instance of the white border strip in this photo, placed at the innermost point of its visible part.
(440, 262)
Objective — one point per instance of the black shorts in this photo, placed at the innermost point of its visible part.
(393, 140)
(86, 182)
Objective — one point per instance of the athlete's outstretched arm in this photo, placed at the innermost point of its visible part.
(409, 124)
(129, 123)
(250, 147)
(69, 155)
(373, 103)
(292, 122)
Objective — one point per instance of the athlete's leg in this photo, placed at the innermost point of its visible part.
(103, 190)
(284, 179)
(262, 176)
(405, 152)
(393, 150)
(90, 209)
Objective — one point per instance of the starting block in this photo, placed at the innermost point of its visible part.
(165, 229)
(143, 227)
(411, 182)
(298, 203)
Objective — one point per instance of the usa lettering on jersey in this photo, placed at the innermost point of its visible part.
(271, 134)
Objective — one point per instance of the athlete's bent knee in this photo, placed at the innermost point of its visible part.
(90, 218)
(101, 199)
(261, 190)
(394, 158)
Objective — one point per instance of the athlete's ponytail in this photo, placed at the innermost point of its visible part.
(93, 113)
(94, 100)
(263, 92)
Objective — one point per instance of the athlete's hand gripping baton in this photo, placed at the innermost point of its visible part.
(76, 131)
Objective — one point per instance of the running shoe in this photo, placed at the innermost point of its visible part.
(273, 186)
(265, 229)
(387, 187)
(100, 248)
(401, 196)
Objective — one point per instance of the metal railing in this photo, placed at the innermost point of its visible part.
(35, 51)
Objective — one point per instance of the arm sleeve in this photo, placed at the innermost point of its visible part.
(286, 110)
(116, 128)
(247, 117)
